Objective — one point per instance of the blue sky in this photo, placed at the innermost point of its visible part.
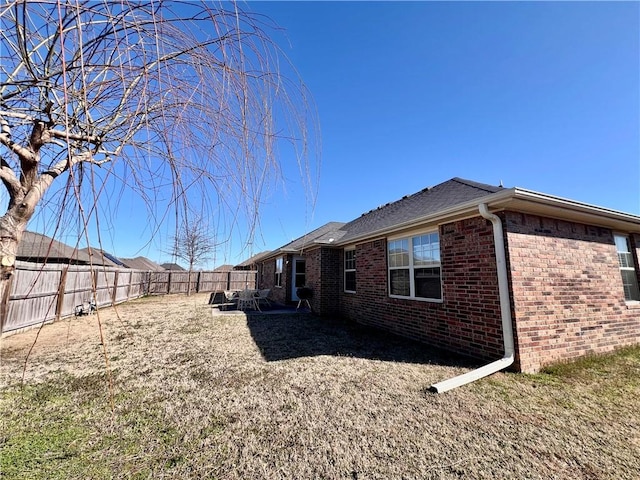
(539, 95)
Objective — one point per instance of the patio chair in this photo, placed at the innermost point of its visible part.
(247, 300)
(262, 296)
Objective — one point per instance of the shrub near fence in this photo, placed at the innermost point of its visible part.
(42, 293)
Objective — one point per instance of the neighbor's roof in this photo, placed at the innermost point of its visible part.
(36, 247)
(100, 257)
(172, 266)
(141, 263)
(224, 268)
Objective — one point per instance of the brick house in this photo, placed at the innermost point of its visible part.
(39, 248)
(476, 269)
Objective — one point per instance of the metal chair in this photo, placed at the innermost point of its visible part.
(262, 296)
(247, 300)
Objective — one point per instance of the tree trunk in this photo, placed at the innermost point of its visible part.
(11, 231)
(5, 292)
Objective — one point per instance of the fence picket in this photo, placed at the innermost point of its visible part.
(41, 293)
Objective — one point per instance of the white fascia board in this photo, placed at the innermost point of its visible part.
(517, 199)
(530, 201)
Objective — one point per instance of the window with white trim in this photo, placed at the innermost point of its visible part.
(627, 268)
(350, 270)
(278, 279)
(414, 267)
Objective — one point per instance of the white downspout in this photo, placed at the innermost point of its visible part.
(505, 311)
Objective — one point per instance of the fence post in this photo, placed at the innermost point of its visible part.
(198, 281)
(130, 285)
(94, 286)
(61, 290)
(4, 302)
(169, 283)
(114, 295)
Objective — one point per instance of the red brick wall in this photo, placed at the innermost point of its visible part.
(313, 264)
(468, 319)
(323, 275)
(267, 279)
(566, 291)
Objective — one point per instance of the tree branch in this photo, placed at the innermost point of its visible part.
(22, 152)
(94, 139)
(8, 177)
(44, 181)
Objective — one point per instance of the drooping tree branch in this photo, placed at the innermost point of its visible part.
(180, 102)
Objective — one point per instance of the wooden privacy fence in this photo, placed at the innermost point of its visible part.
(42, 293)
(201, 281)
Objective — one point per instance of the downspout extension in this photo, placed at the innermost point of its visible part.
(505, 312)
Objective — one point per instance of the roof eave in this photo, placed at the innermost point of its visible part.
(458, 212)
(517, 199)
(560, 208)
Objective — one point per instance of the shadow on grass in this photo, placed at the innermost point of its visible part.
(282, 337)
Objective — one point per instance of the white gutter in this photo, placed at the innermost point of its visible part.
(505, 311)
(520, 200)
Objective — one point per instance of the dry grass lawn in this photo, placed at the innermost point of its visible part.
(188, 395)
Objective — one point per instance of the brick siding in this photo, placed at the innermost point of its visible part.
(267, 279)
(567, 298)
(566, 291)
(323, 267)
(468, 319)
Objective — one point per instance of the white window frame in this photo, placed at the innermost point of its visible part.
(626, 263)
(411, 267)
(278, 272)
(351, 267)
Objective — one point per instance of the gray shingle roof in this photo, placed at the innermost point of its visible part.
(426, 202)
(173, 266)
(254, 259)
(412, 207)
(141, 263)
(100, 257)
(36, 247)
(224, 268)
(320, 235)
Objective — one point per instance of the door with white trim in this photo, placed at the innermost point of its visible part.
(299, 276)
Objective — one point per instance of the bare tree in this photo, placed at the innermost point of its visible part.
(193, 244)
(166, 98)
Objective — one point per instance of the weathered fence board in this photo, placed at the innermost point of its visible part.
(34, 296)
(214, 281)
(241, 279)
(159, 283)
(41, 293)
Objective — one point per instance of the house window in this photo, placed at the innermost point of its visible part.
(278, 279)
(627, 268)
(414, 267)
(350, 270)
